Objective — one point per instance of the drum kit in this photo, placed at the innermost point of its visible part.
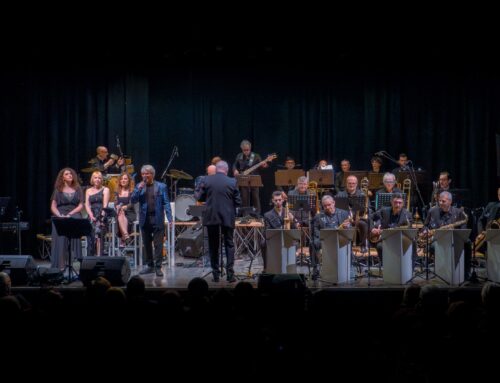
(184, 197)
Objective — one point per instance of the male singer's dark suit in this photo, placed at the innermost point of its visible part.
(222, 197)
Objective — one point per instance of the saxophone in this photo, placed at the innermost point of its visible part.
(286, 220)
(479, 241)
(422, 239)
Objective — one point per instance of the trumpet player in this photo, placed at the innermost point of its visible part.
(330, 218)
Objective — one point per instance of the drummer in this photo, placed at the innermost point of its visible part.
(106, 163)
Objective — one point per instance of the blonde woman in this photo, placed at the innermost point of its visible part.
(96, 199)
(66, 201)
(124, 208)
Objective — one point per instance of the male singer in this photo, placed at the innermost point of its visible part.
(153, 199)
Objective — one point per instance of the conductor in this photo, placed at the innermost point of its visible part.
(222, 197)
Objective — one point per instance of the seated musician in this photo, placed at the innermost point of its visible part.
(452, 217)
(376, 163)
(275, 219)
(389, 181)
(490, 214)
(106, 163)
(361, 224)
(126, 214)
(302, 195)
(403, 164)
(389, 217)
(323, 165)
(345, 166)
(329, 218)
(443, 184)
(290, 163)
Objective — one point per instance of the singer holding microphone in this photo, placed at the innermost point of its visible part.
(153, 205)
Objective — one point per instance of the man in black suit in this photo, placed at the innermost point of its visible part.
(389, 217)
(222, 198)
(491, 212)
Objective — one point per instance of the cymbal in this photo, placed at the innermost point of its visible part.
(89, 170)
(180, 174)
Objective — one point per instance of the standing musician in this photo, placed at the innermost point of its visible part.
(275, 219)
(222, 198)
(245, 160)
(106, 163)
(361, 223)
(446, 214)
(389, 217)
(330, 218)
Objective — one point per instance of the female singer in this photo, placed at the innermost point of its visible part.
(96, 199)
(66, 201)
(124, 208)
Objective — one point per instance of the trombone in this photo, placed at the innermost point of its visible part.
(313, 186)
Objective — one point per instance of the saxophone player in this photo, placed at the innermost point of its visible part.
(490, 213)
(330, 218)
(276, 219)
(389, 217)
(444, 215)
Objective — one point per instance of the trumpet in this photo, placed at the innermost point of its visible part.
(407, 189)
(365, 183)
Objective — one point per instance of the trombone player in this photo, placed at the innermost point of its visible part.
(330, 218)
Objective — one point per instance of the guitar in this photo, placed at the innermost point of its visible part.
(269, 158)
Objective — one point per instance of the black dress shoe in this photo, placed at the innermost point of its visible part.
(231, 279)
(159, 273)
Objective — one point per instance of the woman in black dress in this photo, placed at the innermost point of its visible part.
(124, 208)
(96, 199)
(66, 201)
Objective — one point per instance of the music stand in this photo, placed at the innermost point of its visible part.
(384, 199)
(287, 177)
(376, 180)
(322, 177)
(301, 205)
(354, 203)
(249, 181)
(72, 228)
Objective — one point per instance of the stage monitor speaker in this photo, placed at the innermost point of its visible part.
(190, 242)
(115, 269)
(21, 268)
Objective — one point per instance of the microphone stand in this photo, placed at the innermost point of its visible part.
(172, 155)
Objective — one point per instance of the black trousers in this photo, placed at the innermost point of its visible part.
(152, 236)
(214, 237)
(250, 195)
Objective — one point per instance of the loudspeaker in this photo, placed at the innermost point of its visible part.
(21, 268)
(190, 242)
(115, 269)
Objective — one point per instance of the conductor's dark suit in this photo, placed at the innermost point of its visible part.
(222, 197)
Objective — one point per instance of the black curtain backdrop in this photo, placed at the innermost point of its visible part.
(49, 120)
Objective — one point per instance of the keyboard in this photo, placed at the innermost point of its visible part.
(12, 226)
